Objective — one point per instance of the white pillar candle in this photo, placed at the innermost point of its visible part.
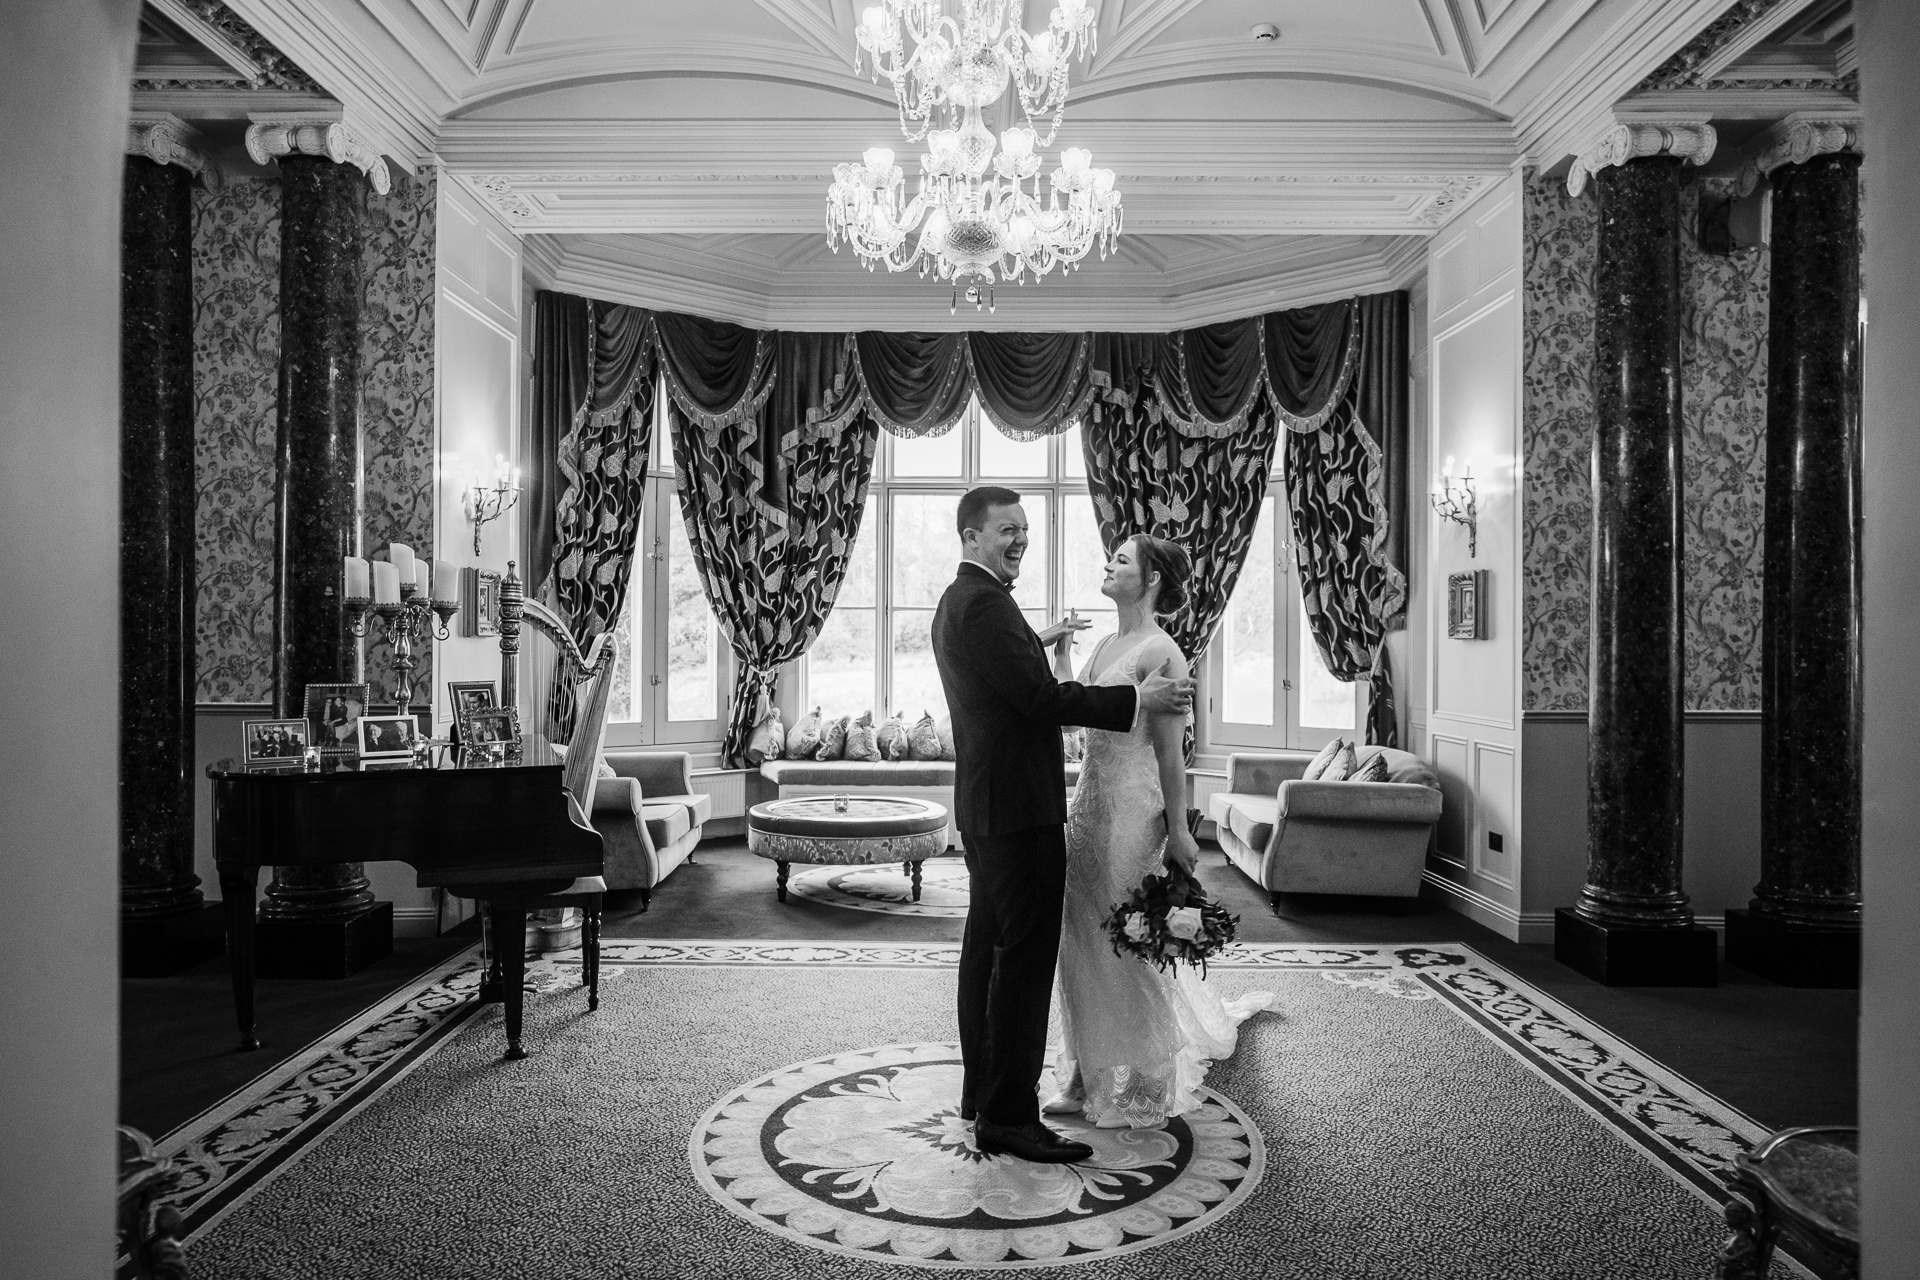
(446, 582)
(422, 572)
(386, 582)
(402, 556)
(358, 579)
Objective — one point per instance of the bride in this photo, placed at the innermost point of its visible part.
(1137, 1040)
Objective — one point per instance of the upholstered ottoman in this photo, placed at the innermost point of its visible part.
(847, 831)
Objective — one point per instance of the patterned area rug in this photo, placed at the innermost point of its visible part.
(746, 1109)
(887, 888)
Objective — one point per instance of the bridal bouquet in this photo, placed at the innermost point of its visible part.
(1169, 919)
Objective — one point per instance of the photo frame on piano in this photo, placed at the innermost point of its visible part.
(494, 732)
(274, 744)
(388, 738)
(333, 716)
(464, 696)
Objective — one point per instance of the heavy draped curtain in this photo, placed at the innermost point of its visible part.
(775, 434)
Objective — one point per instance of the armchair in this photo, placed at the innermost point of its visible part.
(1293, 836)
(649, 817)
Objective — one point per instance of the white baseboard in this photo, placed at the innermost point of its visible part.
(1482, 910)
(416, 922)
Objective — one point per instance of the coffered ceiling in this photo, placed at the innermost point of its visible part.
(657, 149)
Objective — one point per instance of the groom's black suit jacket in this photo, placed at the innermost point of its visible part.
(1008, 709)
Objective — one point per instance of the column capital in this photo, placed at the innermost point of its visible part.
(167, 139)
(1795, 140)
(1690, 140)
(271, 136)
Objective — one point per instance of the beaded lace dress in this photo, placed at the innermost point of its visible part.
(1136, 1040)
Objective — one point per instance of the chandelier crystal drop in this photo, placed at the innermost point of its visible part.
(978, 209)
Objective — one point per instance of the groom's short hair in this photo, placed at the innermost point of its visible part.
(977, 502)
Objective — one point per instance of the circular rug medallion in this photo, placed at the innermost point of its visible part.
(886, 887)
(865, 1154)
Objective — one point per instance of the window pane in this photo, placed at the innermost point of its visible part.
(1246, 636)
(916, 681)
(856, 589)
(1084, 563)
(621, 708)
(1030, 588)
(1004, 457)
(925, 547)
(930, 455)
(840, 664)
(693, 637)
(1074, 467)
(1325, 703)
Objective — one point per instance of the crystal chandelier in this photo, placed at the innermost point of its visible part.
(971, 221)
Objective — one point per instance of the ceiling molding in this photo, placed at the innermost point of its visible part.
(835, 295)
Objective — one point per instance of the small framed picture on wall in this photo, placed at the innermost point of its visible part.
(1467, 605)
(479, 602)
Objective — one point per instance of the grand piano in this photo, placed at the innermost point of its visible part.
(502, 833)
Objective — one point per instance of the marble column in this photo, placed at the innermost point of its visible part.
(1803, 924)
(1632, 923)
(163, 920)
(323, 186)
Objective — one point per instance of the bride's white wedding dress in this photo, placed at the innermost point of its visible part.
(1137, 1040)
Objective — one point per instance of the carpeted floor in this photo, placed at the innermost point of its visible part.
(1416, 1111)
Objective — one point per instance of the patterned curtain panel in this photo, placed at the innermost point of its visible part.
(1149, 474)
(1336, 477)
(772, 506)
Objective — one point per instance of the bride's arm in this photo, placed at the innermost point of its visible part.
(1170, 753)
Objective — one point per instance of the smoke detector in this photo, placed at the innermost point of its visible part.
(1264, 33)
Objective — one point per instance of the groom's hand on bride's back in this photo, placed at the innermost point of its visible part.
(1164, 696)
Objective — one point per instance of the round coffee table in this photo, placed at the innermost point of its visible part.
(847, 830)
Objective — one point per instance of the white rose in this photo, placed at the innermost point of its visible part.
(1184, 922)
(1136, 927)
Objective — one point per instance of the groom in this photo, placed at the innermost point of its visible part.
(1010, 803)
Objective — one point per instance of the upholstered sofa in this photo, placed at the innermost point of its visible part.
(921, 779)
(648, 815)
(1293, 836)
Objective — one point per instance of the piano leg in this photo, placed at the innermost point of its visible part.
(510, 942)
(236, 898)
(590, 954)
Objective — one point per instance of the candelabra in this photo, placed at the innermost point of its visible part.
(403, 602)
(1457, 500)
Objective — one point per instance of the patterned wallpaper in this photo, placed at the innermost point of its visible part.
(396, 393)
(236, 247)
(236, 356)
(1723, 351)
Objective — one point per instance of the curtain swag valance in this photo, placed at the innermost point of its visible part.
(1208, 381)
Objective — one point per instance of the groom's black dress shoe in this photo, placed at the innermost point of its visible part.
(1035, 1142)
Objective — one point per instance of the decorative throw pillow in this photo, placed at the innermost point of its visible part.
(769, 738)
(1343, 764)
(1318, 767)
(944, 728)
(862, 742)
(1372, 768)
(923, 741)
(891, 738)
(833, 740)
(804, 738)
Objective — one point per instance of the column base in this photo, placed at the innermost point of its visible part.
(158, 947)
(1625, 956)
(1793, 955)
(327, 948)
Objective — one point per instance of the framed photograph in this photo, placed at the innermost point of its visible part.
(1466, 605)
(494, 727)
(464, 696)
(333, 712)
(387, 737)
(274, 744)
(479, 602)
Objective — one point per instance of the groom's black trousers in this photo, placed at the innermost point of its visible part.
(1018, 881)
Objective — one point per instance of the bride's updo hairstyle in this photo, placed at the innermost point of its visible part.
(1171, 561)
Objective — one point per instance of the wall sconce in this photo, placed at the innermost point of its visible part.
(1456, 500)
(485, 502)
